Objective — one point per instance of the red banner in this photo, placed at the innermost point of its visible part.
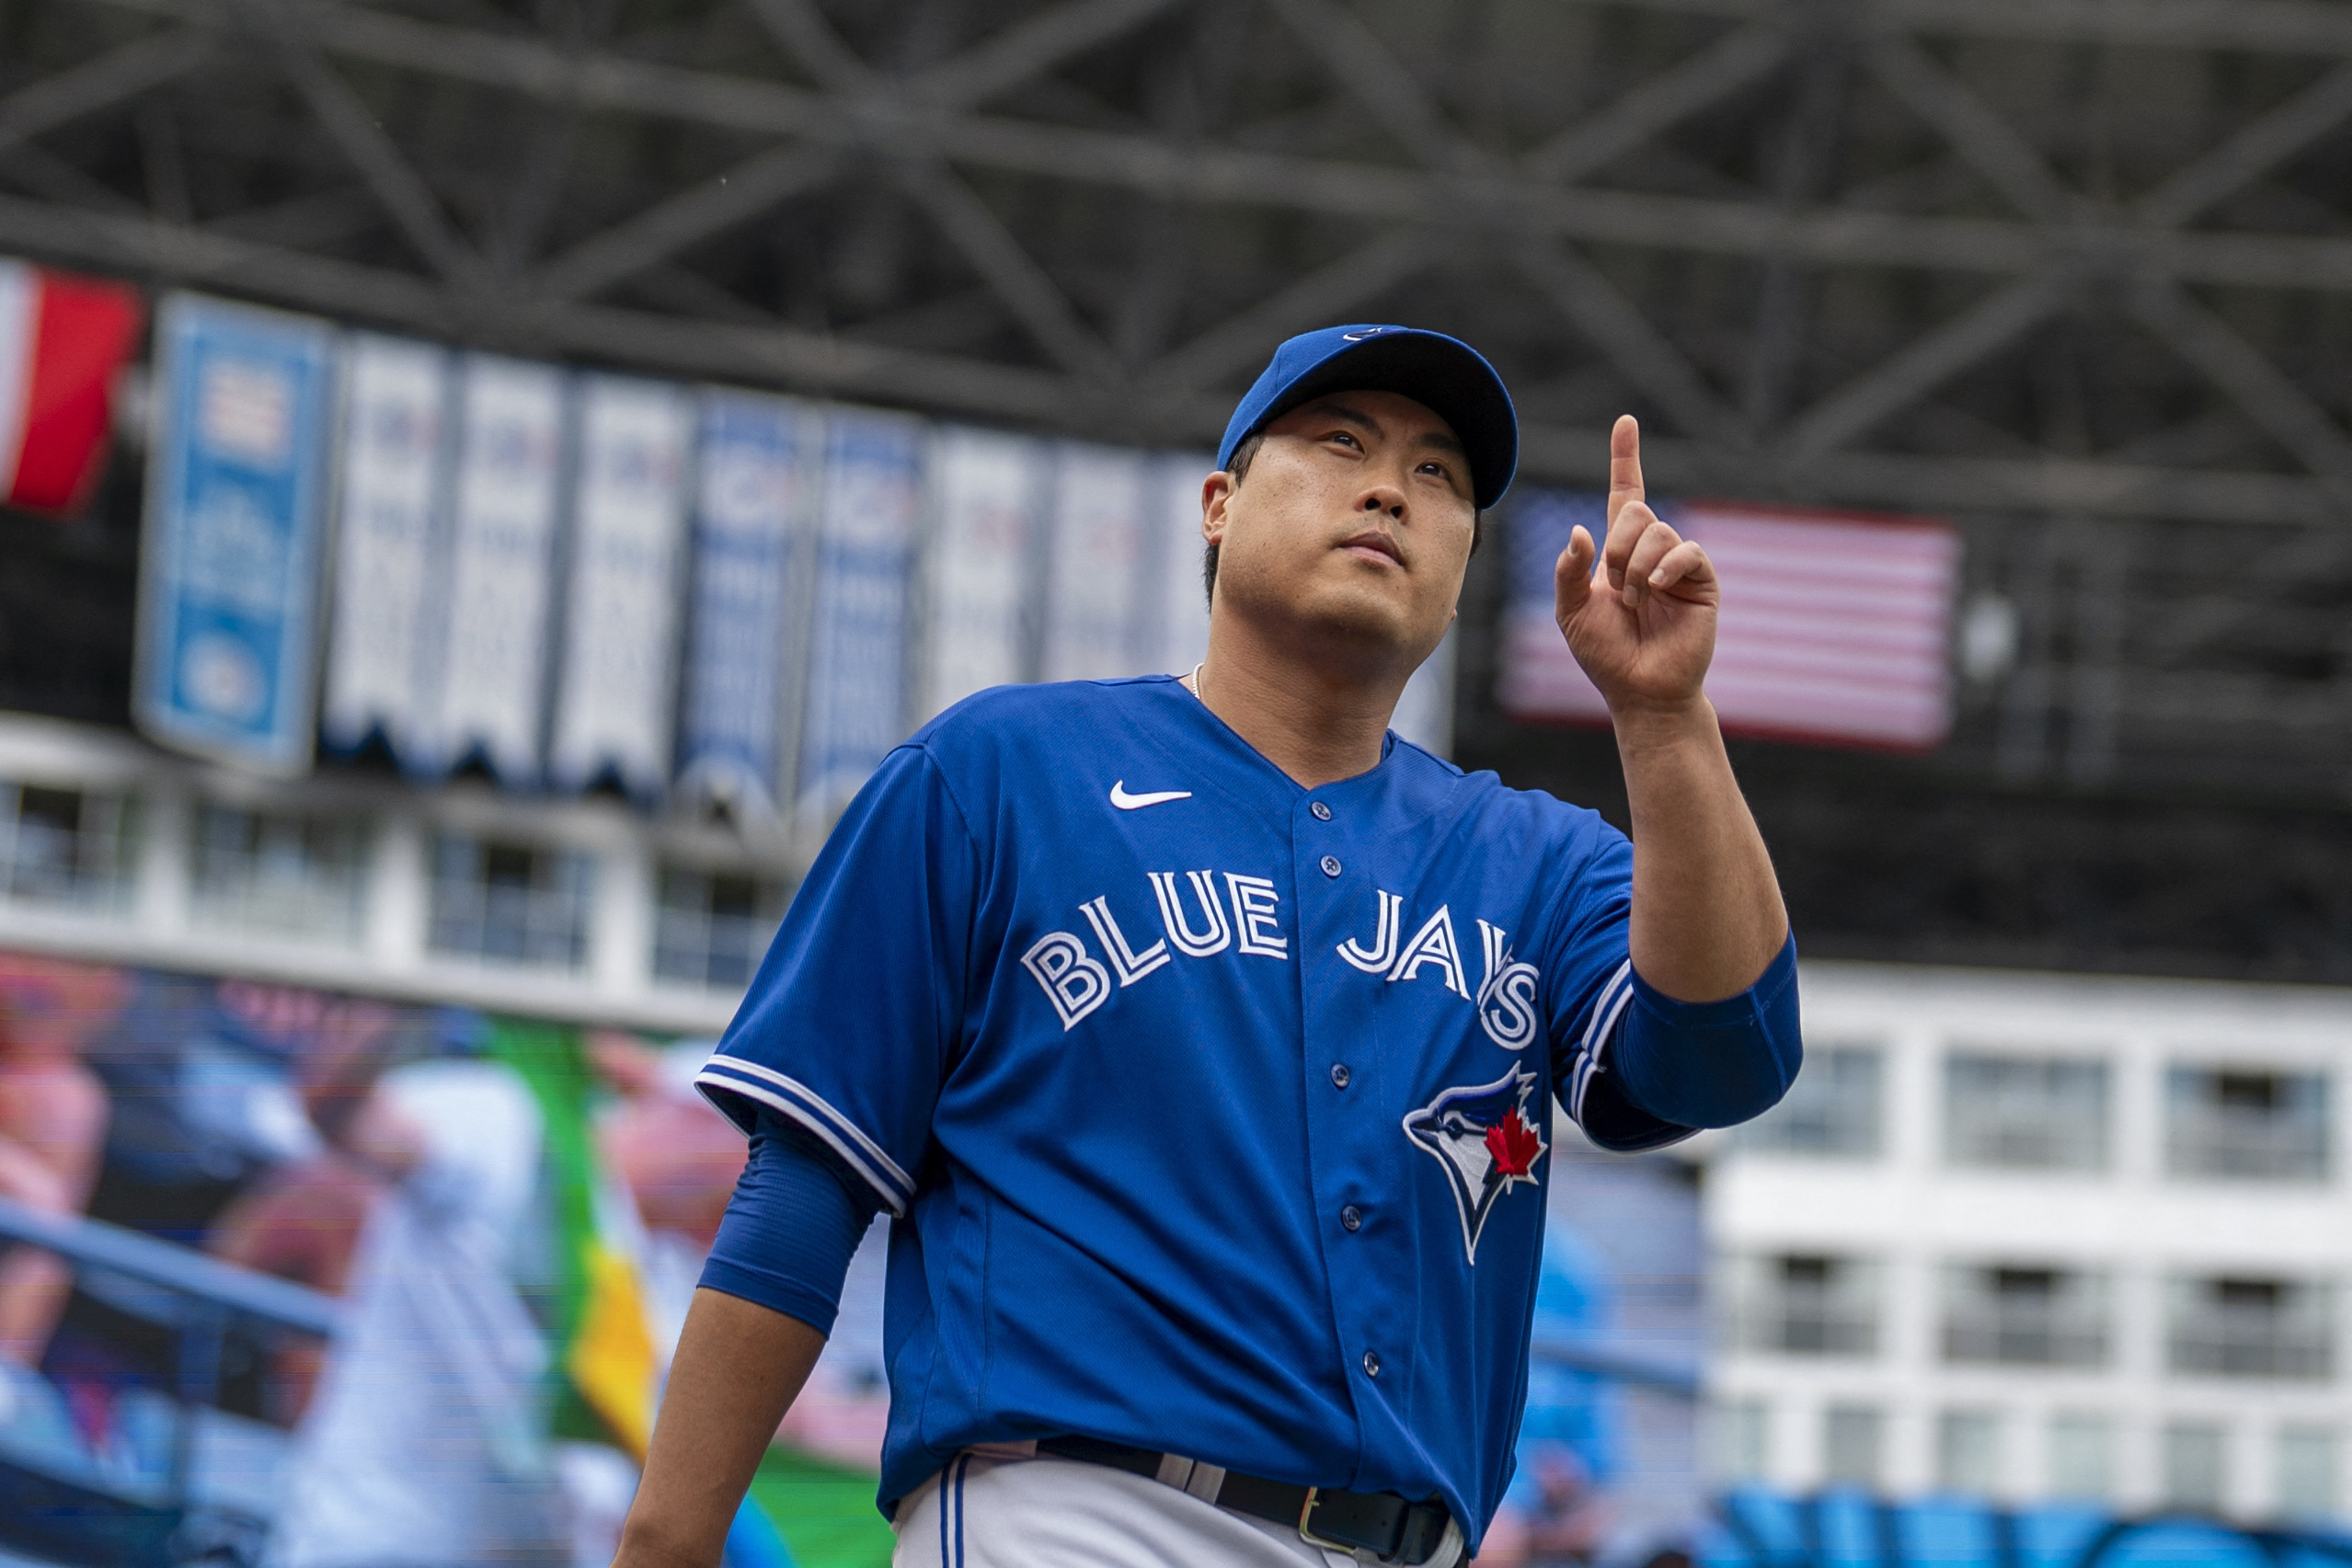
(63, 339)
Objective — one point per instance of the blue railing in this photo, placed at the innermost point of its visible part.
(1760, 1528)
(57, 1507)
(1680, 1379)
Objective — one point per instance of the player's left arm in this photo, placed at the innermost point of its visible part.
(1707, 921)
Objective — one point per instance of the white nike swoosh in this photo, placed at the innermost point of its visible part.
(1126, 802)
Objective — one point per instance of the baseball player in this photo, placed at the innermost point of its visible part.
(1200, 1036)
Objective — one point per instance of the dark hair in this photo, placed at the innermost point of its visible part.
(1243, 455)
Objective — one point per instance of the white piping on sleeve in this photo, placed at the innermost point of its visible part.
(1597, 1036)
(1623, 977)
(857, 1150)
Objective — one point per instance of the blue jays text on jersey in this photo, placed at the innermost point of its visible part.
(1214, 1109)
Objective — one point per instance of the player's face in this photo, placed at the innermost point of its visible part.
(1354, 522)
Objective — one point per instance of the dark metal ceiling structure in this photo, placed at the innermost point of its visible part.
(2075, 274)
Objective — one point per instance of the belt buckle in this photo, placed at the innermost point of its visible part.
(1306, 1530)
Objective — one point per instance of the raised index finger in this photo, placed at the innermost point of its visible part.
(1624, 465)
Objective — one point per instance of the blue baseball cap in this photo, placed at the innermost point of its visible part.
(1443, 375)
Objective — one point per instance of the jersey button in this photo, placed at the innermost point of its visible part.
(1371, 1363)
(1330, 864)
(1340, 1075)
(1322, 812)
(1352, 1218)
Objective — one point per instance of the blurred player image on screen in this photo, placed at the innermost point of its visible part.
(1202, 1037)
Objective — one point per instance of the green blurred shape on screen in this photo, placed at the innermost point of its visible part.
(825, 1511)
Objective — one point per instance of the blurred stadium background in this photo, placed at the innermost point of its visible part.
(836, 360)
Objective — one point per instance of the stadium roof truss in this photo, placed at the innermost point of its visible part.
(2076, 273)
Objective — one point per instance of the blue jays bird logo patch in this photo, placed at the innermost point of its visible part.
(1486, 1143)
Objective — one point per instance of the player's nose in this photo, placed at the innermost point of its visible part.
(1384, 499)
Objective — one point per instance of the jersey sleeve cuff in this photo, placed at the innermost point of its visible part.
(774, 1292)
(1713, 1064)
(742, 1089)
(1778, 977)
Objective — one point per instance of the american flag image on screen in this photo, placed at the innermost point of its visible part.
(1835, 626)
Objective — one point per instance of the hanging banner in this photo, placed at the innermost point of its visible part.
(395, 464)
(1099, 531)
(1834, 629)
(63, 340)
(745, 633)
(613, 713)
(985, 490)
(1173, 611)
(229, 579)
(493, 653)
(856, 705)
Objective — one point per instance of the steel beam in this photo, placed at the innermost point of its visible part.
(405, 198)
(2287, 27)
(1583, 294)
(768, 179)
(2250, 379)
(1661, 101)
(814, 362)
(1367, 70)
(1031, 48)
(810, 40)
(1928, 361)
(1172, 170)
(2291, 27)
(1034, 300)
(121, 73)
(1332, 290)
(755, 186)
(2253, 152)
(1975, 130)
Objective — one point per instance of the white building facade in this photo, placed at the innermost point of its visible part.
(573, 910)
(2040, 1237)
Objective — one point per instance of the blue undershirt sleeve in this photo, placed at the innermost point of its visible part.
(791, 1226)
(1711, 1063)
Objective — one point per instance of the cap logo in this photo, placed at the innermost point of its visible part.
(1367, 332)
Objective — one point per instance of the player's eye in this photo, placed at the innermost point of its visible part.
(1348, 437)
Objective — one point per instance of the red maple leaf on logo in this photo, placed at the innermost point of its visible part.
(1514, 1142)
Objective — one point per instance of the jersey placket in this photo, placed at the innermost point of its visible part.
(1362, 1217)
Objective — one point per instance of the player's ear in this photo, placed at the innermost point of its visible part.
(1216, 492)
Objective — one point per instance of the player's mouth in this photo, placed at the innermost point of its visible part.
(1374, 544)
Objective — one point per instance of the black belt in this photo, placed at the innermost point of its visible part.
(1393, 1529)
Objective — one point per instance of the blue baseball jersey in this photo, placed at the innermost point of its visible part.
(1213, 1110)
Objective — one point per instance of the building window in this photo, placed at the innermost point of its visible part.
(2252, 1328)
(2081, 1457)
(2024, 1112)
(290, 876)
(1831, 1111)
(1851, 1437)
(2304, 1471)
(713, 928)
(1968, 1452)
(1806, 1305)
(2224, 1122)
(510, 903)
(1743, 1431)
(66, 846)
(2025, 1316)
(2194, 1475)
